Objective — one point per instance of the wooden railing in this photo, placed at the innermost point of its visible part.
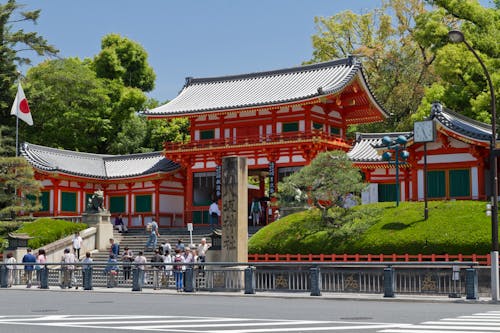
(482, 259)
(259, 139)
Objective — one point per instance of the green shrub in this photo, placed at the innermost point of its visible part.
(453, 227)
(47, 230)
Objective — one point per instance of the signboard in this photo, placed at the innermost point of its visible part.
(218, 173)
(190, 226)
(271, 179)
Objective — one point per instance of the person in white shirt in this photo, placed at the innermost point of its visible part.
(12, 268)
(77, 244)
(214, 213)
(202, 250)
(140, 260)
(68, 258)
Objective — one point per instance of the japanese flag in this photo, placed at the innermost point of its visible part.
(20, 107)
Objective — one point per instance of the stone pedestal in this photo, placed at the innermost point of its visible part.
(234, 209)
(102, 222)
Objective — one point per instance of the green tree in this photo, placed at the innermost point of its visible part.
(13, 42)
(18, 187)
(398, 66)
(7, 141)
(70, 106)
(123, 59)
(75, 110)
(329, 181)
(170, 130)
(461, 84)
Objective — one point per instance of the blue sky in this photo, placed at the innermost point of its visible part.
(196, 38)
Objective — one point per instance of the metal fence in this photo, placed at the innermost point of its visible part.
(374, 278)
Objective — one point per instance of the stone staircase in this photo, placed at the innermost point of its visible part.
(136, 240)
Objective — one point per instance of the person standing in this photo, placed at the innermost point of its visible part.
(77, 244)
(87, 270)
(40, 260)
(178, 270)
(167, 259)
(214, 213)
(153, 236)
(111, 272)
(256, 211)
(202, 250)
(140, 262)
(28, 259)
(157, 269)
(12, 269)
(68, 259)
(127, 258)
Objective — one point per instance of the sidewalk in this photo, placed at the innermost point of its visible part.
(291, 295)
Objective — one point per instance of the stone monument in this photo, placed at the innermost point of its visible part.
(234, 209)
(100, 218)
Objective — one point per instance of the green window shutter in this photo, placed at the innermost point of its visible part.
(291, 127)
(334, 130)
(68, 201)
(386, 192)
(45, 201)
(207, 135)
(143, 203)
(317, 126)
(436, 184)
(197, 217)
(88, 198)
(459, 183)
(117, 204)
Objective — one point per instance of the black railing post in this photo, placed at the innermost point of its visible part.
(249, 280)
(137, 278)
(388, 282)
(315, 281)
(471, 283)
(188, 279)
(4, 276)
(87, 278)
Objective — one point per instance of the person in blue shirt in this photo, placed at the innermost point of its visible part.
(115, 248)
(28, 269)
(111, 271)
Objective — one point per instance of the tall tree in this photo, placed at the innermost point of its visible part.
(123, 59)
(398, 66)
(461, 83)
(13, 43)
(73, 109)
(18, 187)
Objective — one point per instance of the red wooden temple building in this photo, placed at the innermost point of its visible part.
(280, 120)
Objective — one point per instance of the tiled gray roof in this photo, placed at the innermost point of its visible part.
(95, 165)
(461, 124)
(263, 88)
(364, 151)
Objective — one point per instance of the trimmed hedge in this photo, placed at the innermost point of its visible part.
(47, 230)
(453, 227)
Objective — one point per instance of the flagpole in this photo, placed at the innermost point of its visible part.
(17, 131)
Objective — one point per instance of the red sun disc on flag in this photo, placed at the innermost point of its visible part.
(23, 106)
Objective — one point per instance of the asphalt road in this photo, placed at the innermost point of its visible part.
(77, 311)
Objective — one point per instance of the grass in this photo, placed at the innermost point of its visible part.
(46, 230)
(453, 227)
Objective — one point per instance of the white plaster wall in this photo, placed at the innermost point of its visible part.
(449, 158)
(283, 159)
(171, 204)
(217, 133)
(302, 125)
(420, 182)
(263, 160)
(298, 158)
(475, 182)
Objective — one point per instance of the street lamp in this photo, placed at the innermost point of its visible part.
(457, 36)
(398, 146)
